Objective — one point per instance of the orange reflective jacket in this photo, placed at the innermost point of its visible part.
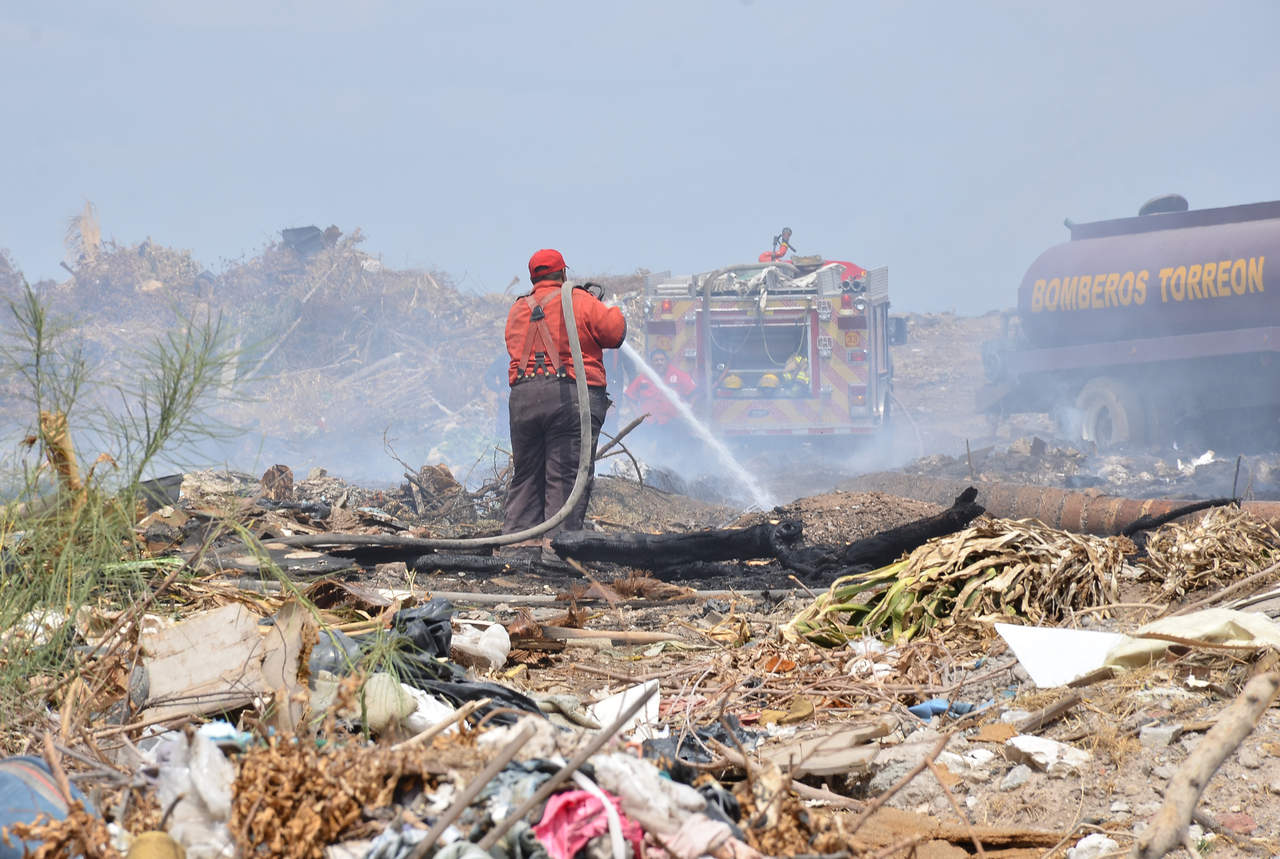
(599, 328)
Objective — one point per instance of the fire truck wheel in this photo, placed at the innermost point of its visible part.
(1111, 413)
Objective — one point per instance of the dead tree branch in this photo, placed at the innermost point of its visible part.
(1169, 826)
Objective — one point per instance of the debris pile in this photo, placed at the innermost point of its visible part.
(289, 665)
(1003, 687)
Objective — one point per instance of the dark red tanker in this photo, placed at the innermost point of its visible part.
(1142, 329)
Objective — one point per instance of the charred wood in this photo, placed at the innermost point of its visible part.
(466, 563)
(887, 546)
(664, 551)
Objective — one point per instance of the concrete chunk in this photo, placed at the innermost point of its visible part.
(1057, 759)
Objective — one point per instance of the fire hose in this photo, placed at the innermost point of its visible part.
(580, 480)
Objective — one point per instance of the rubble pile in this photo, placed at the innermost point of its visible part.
(336, 354)
(288, 665)
(1033, 461)
(254, 697)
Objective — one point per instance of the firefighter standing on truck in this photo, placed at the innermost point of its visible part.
(545, 424)
(781, 247)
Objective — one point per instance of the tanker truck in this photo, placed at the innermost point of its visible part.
(1149, 330)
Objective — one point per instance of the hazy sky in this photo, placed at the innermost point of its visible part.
(945, 140)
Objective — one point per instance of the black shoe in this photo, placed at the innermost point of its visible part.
(524, 554)
(548, 558)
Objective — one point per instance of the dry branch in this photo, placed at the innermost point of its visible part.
(1169, 826)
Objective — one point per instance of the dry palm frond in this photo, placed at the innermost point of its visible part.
(995, 569)
(1223, 545)
(84, 236)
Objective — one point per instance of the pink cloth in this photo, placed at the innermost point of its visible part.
(575, 817)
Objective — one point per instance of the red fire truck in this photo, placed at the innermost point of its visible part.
(796, 347)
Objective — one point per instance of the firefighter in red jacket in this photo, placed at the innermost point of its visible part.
(649, 398)
(545, 429)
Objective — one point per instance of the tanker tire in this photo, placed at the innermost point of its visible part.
(1111, 413)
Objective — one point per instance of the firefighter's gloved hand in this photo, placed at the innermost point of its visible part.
(594, 288)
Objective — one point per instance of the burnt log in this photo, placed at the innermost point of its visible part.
(661, 551)
(1150, 523)
(886, 547)
(461, 563)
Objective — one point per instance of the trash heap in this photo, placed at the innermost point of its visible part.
(334, 353)
(1005, 688)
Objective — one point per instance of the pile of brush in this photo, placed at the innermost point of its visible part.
(995, 570)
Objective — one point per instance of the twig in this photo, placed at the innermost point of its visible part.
(1229, 591)
(818, 794)
(86, 760)
(431, 732)
(1071, 831)
(627, 636)
(54, 760)
(550, 785)
(1236, 722)
(737, 744)
(477, 784)
(880, 800)
(133, 726)
(955, 806)
(1101, 608)
(634, 678)
(1045, 715)
(905, 844)
(802, 585)
(622, 433)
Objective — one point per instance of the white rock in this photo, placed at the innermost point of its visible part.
(1159, 736)
(972, 764)
(1092, 847)
(1016, 777)
(1057, 759)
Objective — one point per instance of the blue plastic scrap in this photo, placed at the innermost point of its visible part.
(937, 706)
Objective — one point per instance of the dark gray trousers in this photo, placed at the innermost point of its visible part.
(544, 450)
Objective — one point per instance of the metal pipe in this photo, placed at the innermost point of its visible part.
(1070, 510)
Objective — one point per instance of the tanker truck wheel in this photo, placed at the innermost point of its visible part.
(1111, 413)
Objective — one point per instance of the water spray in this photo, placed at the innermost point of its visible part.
(759, 496)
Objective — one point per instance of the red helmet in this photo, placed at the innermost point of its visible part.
(544, 263)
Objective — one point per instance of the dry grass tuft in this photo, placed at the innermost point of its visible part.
(1223, 545)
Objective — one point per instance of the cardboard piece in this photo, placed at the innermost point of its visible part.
(1054, 657)
(214, 661)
